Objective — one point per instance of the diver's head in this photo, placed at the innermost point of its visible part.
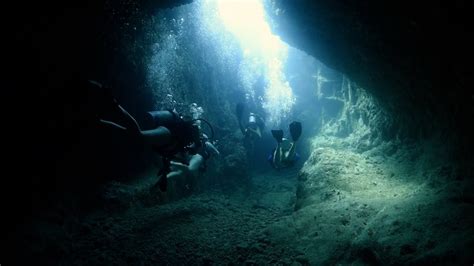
(192, 136)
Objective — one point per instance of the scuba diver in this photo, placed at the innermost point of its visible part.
(252, 126)
(170, 134)
(284, 155)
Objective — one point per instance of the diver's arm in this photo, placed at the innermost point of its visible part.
(195, 163)
(212, 148)
(180, 169)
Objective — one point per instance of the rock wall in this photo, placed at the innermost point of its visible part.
(413, 59)
(390, 171)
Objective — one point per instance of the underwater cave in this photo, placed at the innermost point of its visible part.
(381, 171)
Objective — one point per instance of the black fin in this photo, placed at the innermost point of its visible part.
(295, 130)
(278, 135)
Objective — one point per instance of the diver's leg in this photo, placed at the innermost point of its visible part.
(277, 156)
(175, 174)
(195, 164)
(278, 153)
(290, 154)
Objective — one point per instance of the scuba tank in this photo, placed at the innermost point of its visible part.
(252, 119)
(164, 118)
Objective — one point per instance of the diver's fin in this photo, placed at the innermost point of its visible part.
(295, 130)
(278, 135)
(239, 111)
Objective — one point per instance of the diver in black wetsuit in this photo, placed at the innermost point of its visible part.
(251, 125)
(171, 136)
